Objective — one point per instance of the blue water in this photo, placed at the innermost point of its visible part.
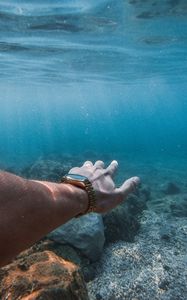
(79, 76)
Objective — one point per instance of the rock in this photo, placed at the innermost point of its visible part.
(85, 233)
(46, 276)
(166, 233)
(67, 252)
(122, 223)
(119, 225)
(46, 170)
(166, 268)
(171, 189)
(98, 297)
(163, 285)
(89, 273)
(146, 192)
(179, 209)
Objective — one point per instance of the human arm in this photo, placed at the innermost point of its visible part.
(31, 209)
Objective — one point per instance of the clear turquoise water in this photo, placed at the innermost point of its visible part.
(102, 76)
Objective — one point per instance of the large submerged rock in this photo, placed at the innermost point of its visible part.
(42, 275)
(122, 223)
(85, 233)
(46, 169)
(171, 188)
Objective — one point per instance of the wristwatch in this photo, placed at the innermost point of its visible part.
(84, 183)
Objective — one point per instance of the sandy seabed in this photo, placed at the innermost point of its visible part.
(154, 266)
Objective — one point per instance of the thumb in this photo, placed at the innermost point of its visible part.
(128, 186)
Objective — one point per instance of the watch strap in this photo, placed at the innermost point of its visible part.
(87, 186)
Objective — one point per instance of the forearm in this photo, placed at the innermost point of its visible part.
(31, 209)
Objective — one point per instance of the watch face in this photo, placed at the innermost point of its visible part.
(76, 177)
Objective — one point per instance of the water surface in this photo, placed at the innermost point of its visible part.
(102, 76)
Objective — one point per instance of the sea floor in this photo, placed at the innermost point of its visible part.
(154, 266)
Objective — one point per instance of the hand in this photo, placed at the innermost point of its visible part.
(107, 195)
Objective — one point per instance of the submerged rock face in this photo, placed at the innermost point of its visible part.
(179, 208)
(40, 276)
(122, 223)
(85, 233)
(46, 169)
(171, 188)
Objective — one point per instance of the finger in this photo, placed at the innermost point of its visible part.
(128, 186)
(88, 163)
(74, 170)
(112, 168)
(99, 164)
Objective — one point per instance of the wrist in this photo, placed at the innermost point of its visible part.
(77, 196)
(84, 183)
(68, 199)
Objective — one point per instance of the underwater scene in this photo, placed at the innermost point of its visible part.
(99, 80)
